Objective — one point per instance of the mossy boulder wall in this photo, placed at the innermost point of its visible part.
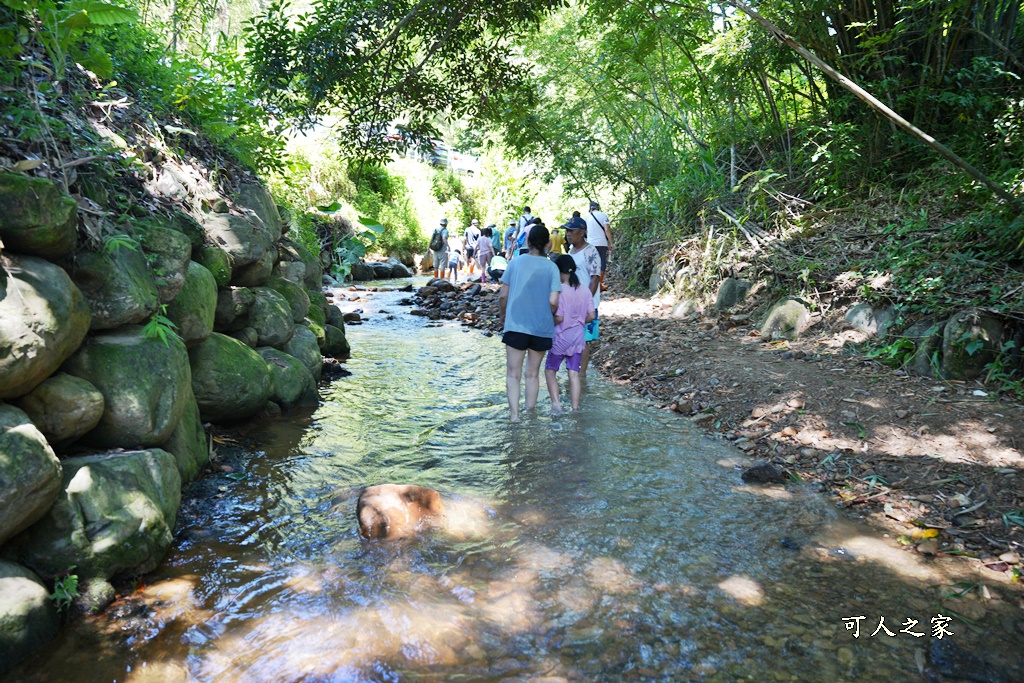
(304, 346)
(38, 217)
(291, 382)
(43, 319)
(63, 407)
(118, 284)
(335, 343)
(187, 443)
(217, 261)
(242, 239)
(271, 317)
(232, 310)
(114, 515)
(229, 379)
(294, 294)
(193, 310)
(256, 199)
(292, 252)
(169, 253)
(29, 473)
(144, 383)
(28, 618)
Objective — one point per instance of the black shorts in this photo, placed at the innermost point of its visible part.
(470, 251)
(521, 341)
(603, 253)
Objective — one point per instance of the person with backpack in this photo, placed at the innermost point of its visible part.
(439, 248)
(600, 235)
(523, 238)
(510, 236)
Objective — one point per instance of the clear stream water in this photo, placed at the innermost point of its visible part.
(613, 544)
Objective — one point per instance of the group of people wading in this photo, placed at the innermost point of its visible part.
(548, 305)
(549, 298)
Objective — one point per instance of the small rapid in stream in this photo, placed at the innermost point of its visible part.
(617, 543)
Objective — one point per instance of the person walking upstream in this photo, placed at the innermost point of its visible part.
(600, 235)
(526, 305)
(439, 248)
(588, 270)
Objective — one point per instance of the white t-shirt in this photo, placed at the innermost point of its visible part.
(588, 265)
(595, 233)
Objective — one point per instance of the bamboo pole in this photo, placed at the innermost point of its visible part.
(878, 106)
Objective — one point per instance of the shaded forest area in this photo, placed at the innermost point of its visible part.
(717, 146)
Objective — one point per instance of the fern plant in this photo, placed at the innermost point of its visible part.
(159, 327)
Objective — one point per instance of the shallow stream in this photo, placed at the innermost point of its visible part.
(617, 543)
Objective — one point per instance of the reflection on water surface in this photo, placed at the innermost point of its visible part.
(612, 544)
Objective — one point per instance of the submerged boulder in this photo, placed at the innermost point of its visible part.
(144, 383)
(229, 379)
(29, 473)
(335, 343)
(28, 618)
(39, 218)
(43, 319)
(115, 515)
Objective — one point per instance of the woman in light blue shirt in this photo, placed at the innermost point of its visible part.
(526, 310)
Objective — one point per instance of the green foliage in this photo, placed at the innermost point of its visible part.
(459, 204)
(1006, 372)
(373, 63)
(212, 90)
(113, 244)
(895, 353)
(160, 328)
(65, 589)
(59, 28)
(1015, 517)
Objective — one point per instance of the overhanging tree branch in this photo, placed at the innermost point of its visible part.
(878, 106)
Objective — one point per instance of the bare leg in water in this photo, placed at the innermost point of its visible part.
(513, 373)
(533, 363)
